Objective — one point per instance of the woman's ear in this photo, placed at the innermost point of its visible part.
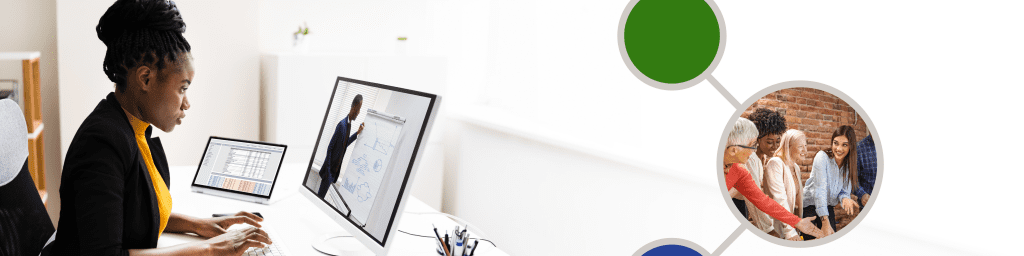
(144, 77)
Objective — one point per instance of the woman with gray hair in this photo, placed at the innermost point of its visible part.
(741, 143)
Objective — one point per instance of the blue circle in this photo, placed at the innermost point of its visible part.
(671, 250)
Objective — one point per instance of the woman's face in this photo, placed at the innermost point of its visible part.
(166, 102)
(798, 147)
(840, 147)
(769, 143)
(737, 154)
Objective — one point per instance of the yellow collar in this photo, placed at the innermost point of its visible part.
(138, 125)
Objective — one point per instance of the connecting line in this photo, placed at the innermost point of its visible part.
(721, 89)
(728, 241)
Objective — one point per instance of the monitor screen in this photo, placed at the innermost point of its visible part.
(239, 166)
(362, 175)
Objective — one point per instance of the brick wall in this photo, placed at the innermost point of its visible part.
(817, 113)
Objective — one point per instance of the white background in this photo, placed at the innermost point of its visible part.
(539, 88)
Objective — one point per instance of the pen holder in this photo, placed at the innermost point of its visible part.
(469, 248)
(457, 243)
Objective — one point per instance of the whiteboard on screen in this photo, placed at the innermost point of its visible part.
(370, 162)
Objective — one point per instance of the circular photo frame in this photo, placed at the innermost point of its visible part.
(814, 107)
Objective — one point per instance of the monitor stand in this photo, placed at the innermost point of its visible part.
(340, 244)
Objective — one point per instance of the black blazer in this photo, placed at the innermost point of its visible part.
(108, 204)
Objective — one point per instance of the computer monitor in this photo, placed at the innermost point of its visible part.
(362, 179)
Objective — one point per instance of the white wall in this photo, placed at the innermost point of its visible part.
(224, 94)
(30, 25)
(349, 26)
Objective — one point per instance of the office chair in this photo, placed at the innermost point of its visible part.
(24, 224)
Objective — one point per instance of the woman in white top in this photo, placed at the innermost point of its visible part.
(782, 177)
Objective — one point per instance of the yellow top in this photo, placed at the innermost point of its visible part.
(163, 196)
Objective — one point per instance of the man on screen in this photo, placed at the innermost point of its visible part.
(331, 169)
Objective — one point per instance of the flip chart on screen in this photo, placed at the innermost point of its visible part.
(369, 162)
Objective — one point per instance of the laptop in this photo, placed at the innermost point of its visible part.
(239, 169)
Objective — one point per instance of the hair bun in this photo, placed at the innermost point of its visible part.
(127, 15)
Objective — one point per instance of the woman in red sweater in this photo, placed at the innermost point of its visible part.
(740, 145)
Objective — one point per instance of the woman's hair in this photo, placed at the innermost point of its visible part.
(743, 132)
(849, 164)
(140, 32)
(767, 122)
(789, 138)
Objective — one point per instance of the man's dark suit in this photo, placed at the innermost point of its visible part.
(331, 169)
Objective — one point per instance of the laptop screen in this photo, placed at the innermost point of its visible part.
(246, 167)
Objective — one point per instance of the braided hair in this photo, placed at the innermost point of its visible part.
(140, 32)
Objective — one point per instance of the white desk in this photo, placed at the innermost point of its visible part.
(296, 221)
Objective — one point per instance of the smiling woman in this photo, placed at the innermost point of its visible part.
(833, 178)
(115, 179)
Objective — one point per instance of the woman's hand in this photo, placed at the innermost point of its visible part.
(235, 242)
(848, 205)
(795, 238)
(826, 227)
(217, 226)
(807, 227)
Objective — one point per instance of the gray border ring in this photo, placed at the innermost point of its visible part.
(677, 86)
(874, 135)
(671, 241)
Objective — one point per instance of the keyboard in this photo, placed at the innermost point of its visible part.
(275, 249)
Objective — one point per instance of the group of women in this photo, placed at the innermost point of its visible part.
(768, 155)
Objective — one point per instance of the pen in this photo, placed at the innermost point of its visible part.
(465, 241)
(440, 243)
(232, 214)
(475, 244)
(446, 245)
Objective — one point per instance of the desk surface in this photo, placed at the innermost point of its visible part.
(295, 221)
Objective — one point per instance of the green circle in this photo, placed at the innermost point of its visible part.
(671, 41)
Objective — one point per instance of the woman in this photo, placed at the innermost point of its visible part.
(770, 126)
(741, 145)
(115, 182)
(782, 175)
(833, 176)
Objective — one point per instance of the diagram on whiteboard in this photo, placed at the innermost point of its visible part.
(361, 165)
(371, 161)
(362, 190)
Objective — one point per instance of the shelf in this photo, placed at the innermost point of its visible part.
(18, 55)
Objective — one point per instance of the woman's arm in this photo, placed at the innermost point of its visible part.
(234, 242)
(743, 183)
(209, 227)
(193, 248)
(844, 192)
(817, 183)
(775, 171)
(741, 180)
(180, 223)
(775, 175)
(95, 178)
